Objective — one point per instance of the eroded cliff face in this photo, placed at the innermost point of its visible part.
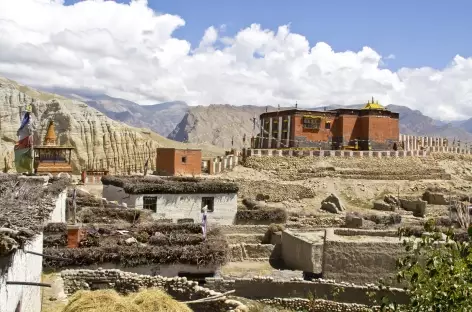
(98, 140)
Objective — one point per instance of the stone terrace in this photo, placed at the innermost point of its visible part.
(299, 168)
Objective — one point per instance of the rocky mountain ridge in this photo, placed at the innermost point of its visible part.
(225, 125)
(218, 124)
(98, 140)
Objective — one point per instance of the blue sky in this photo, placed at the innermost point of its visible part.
(419, 33)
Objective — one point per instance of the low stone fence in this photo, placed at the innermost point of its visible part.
(316, 305)
(332, 153)
(268, 288)
(124, 282)
(219, 164)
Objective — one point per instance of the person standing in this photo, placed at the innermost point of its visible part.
(204, 221)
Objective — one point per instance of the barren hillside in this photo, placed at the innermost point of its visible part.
(96, 138)
(219, 125)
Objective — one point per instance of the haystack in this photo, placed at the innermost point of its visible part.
(100, 301)
(156, 300)
(148, 300)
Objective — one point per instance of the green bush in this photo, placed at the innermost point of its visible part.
(437, 273)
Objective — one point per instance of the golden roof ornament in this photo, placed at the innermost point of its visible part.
(373, 105)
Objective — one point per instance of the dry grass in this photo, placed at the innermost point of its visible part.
(149, 300)
(156, 300)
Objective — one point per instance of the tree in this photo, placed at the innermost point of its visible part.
(437, 273)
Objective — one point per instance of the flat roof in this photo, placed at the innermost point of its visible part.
(169, 185)
(25, 213)
(179, 149)
(332, 112)
(53, 147)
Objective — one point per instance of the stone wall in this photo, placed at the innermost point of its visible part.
(434, 144)
(315, 305)
(268, 288)
(164, 270)
(220, 164)
(332, 153)
(24, 267)
(123, 282)
(303, 251)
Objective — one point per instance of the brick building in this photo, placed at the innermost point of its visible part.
(173, 161)
(372, 127)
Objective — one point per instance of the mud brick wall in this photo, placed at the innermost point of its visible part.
(124, 283)
(240, 252)
(268, 288)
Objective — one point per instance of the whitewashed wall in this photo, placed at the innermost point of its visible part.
(59, 212)
(180, 206)
(25, 268)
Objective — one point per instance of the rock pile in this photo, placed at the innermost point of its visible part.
(125, 282)
(332, 204)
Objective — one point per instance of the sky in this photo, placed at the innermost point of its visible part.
(412, 53)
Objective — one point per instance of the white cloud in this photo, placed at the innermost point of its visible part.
(128, 50)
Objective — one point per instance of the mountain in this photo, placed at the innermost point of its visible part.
(413, 122)
(160, 118)
(96, 138)
(219, 124)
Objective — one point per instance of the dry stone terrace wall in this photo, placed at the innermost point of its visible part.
(317, 305)
(268, 288)
(123, 282)
(391, 168)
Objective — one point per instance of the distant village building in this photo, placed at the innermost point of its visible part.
(174, 161)
(51, 157)
(175, 198)
(37, 202)
(370, 128)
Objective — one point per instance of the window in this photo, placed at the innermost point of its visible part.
(184, 159)
(150, 203)
(328, 125)
(209, 202)
(311, 122)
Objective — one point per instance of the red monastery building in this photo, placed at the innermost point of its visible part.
(370, 128)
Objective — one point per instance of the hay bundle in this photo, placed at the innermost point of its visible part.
(156, 300)
(100, 301)
(148, 300)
